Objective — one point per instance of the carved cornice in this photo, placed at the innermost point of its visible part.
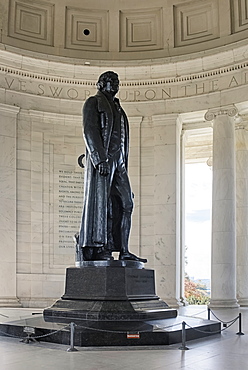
(9, 109)
(139, 83)
(229, 110)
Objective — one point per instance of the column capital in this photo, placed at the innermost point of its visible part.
(229, 110)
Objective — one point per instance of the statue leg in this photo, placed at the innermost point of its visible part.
(121, 186)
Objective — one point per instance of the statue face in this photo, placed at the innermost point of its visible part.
(112, 86)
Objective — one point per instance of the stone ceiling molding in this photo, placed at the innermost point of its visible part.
(31, 21)
(141, 30)
(228, 71)
(122, 30)
(195, 22)
(86, 29)
(239, 15)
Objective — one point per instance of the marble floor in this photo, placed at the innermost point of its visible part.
(219, 352)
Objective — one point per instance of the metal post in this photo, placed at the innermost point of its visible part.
(183, 347)
(240, 326)
(72, 348)
(209, 311)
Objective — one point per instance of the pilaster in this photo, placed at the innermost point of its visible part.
(8, 119)
(167, 132)
(242, 211)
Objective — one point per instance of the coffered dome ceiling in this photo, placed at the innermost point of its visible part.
(117, 30)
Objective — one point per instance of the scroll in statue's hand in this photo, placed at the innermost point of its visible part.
(103, 168)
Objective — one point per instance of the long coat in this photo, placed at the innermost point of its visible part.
(97, 128)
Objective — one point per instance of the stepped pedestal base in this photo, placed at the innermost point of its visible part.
(109, 291)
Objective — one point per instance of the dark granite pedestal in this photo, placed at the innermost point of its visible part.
(111, 304)
(111, 291)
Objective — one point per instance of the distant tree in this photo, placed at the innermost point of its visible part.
(194, 292)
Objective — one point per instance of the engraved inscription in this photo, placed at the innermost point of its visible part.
(70, 206)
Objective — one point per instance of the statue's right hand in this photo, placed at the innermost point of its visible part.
(103, 168)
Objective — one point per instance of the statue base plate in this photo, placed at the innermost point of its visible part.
(109, 293)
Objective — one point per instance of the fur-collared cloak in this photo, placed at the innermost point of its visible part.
(97, 128)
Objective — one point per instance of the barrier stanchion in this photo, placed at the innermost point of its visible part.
(209, 312)
(240, 326)
(72, 348)
(183, 347)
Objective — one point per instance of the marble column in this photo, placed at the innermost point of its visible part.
(242, 212)
(167, 132)
(8, 117)
(223, 260)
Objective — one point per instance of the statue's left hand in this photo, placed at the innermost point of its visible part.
(103, 168)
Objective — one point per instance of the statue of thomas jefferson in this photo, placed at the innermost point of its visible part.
(108, 199)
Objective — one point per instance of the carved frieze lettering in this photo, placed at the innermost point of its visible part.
(171, 88)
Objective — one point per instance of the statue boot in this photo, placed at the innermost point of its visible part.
(125, 255)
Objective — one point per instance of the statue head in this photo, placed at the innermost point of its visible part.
(108, 81)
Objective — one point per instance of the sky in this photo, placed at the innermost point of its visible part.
(198, 202)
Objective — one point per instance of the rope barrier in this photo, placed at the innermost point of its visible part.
(72, 327)
(224, 322)
(33, 337)
(110, 331)
(230, 322)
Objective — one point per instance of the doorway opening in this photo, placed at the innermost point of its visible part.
(198, 209)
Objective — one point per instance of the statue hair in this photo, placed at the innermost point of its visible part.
(104, 78)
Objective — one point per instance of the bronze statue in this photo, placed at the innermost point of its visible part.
(108, 199)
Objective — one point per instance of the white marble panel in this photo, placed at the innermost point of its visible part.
(23, 165)
(165, 159)
(241, 140)
(22, 267)
(24, 257)
(165, 281)
(147, 230)
(223, 247)
(65, 130)
(242, 220)
(24, 155)
(8, 279)
(242, 256)
(241, 190)
(7, 247)
(223, 218)
(23, 217)
(7, 214)
(36, 289)
(223, 288)
(24, 285)
(7, 184)
(165, 219)
(164, 250)
(224, 184)
(223, 127)
(24, 236)
(223, 154)
(23, 195)
(53, 289)
(242, 278)
(7, 152)
(242, 164)
(23, 145)
(164, 135)
(165, 189)
(24, 247)
(7, 125)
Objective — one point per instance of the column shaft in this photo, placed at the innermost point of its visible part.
(223, 274)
